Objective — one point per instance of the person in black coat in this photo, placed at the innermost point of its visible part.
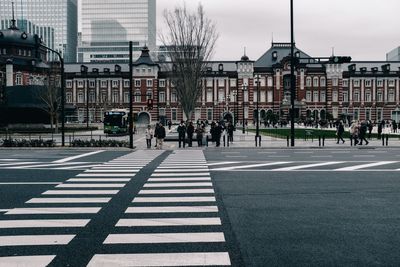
(339, 132)
(190, 132)
(230, 130)
(181, 134)
(363, 132)
(218, 131)
(160, 133)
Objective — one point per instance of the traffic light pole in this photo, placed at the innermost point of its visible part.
(292, 77)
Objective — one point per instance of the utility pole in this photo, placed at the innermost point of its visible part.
(292, 77)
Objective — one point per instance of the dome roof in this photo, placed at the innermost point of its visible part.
(16, 37)
(244, 58)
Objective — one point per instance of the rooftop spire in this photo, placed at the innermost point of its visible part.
(13, 26)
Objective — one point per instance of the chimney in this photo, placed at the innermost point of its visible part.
(9, 73)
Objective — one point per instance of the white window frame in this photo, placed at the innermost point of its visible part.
(209, 95)
(68, 84)
(161, 96)
(322, 82)
(126, 83)
(335, 97)
(308, 82)
(81, 97)
(149, 83)
(315, 82)
(115, 84)
(126, 96)
(115, 96)
(162, 83)
(104, 84)
(138, 82)
(68, 97)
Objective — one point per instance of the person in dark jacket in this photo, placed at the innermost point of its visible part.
(199, 135)
(190, 132)
(380, 126)
(181, 134)
(363, 132)
(217, 132)
(155, 133)
(160, 133)
(230, 130)
(339, 132)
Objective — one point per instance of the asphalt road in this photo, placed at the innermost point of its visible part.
(239, 207)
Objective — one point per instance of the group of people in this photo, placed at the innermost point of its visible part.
(159, 134)
(360, 131)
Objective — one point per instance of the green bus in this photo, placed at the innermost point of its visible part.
(116, 122)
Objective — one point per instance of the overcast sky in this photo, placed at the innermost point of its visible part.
(362, 29)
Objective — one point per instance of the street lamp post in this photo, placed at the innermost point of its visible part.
(243, 124)
(258, 114)
(62, 92)
(130, 95)
(292, 78)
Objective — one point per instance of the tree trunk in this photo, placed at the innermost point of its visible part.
(56, 123)
(189, 115)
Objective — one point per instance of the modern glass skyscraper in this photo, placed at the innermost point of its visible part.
(60, 15)
(108, 26)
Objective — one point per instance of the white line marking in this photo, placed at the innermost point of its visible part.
(222, 163)
(173, 199)
(179, 179)
(157, 238)
(90, 185)
(78, 167)
(180, 174)
(80, 192)
(26, 261)
(35, 240)
(161, 259)
(4, 210)
(182, 167)
(373, 164)
(106, 174)
(30, 183)
(61, 210)
(178, 185)
(17, 163)
(112, 171)
(251, 166)
(48, 165)
(172, 209)
(78, 156)
(298, 167)
(168, 222)
(176, 191)
(180, 170)
(69, 200)
(98, 180)
(42, 223)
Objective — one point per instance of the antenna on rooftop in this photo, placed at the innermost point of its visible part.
(13, 18)
(333, 50)
(22, 17)
(244, 48)
(272, 37)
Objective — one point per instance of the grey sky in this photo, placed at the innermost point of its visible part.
(363, 29)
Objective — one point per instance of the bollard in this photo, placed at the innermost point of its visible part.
(224, 139)
(323, 140)
(227, 143)
(383, 139)
(387, 139)
(351, 140)
(319, 140)
(259, 140)
(206, 140)
(287, 140)
(256, 141)
(91, 134)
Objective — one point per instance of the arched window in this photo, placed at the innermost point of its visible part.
(315, 82)
(308, 82)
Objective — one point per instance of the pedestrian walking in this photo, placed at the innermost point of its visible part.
(169, 125)
(362, 133)
(199, 135)
(149, 136)
(230, 129)
(339, 132)
(190, 132)
(181, 134)
(370, 127)
(160, 133)
(218, 131)
(354, 133)
(380, 127)
(155, 133)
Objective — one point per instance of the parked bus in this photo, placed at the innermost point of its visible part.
(117, 121)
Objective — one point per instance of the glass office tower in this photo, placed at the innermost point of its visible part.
(60, 15)
(108, 26)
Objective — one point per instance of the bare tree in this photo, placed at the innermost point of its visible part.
(190, 40)
(50, 97)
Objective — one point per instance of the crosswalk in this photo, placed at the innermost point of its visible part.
(287, 166)
(174, 219)
(54, 218)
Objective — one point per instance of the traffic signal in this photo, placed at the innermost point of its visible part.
(339, 60)
(149, 104)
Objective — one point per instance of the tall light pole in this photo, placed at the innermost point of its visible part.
(292, 78)
(130, 95)
(62, 90)
(258, 115)
(244, 89)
